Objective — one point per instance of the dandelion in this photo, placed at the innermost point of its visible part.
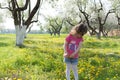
(107, 79)
(81, 70)
(114, 77)
(19, 79)
(14, 79)
(97, 73)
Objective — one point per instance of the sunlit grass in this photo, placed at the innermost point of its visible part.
(42, 58)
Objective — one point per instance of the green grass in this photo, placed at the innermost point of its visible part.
(42, 58)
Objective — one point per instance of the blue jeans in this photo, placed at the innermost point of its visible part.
(73, 61)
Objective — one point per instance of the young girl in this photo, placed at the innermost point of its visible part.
(72, 46)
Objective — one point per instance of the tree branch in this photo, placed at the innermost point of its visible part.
(5, 7)
(70, 22)
(24, 7)
(101, 6)
(110, 11)
(118, 18)
(34, 21)
(27, 22)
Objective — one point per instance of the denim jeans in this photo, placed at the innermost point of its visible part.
(71, 60)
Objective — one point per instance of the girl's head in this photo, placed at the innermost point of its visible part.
(79, 30)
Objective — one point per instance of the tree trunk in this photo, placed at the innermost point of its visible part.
(98, 35)
(20, 35)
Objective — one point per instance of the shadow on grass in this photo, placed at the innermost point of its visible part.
(114, 37)
(87, 54)
(101, 45)
(4, 38)
(114, 55)
(2, 44)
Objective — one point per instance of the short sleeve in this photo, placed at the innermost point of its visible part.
(68, 38)
(82, 39)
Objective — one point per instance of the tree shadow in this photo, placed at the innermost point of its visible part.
(114, 37)
(100, 45)
(114, 55)
(2, 44)
(4, 38)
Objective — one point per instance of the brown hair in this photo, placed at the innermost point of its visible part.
(79, 29)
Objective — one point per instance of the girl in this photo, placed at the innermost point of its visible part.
(72, 46)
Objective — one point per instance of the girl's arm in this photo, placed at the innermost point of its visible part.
(77, 50)
(65, 48)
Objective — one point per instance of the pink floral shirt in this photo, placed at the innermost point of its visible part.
(73, 43)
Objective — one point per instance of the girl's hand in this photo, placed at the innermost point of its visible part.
(66, 55)
(72, 55)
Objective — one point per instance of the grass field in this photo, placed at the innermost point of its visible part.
(42, 58)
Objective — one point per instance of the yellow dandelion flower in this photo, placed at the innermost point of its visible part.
(14, 79)
(114, 77)
(107, 79)
(81, 70)
(19, 79)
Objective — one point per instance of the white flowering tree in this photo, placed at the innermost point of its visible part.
(23, 16)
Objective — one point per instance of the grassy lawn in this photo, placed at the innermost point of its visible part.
(42, 58)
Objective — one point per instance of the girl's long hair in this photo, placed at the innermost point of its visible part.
(79, 29)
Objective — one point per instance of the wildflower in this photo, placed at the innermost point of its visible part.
(19, 79)
(114, 77)
(14, 79)
(81, 70)
(107, 79)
